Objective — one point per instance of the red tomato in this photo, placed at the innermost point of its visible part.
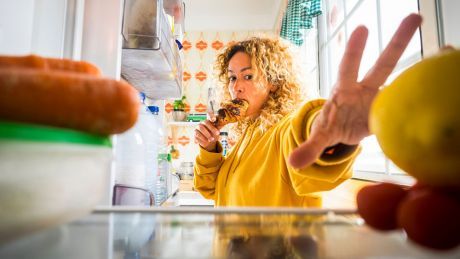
(431, 218)
(377, 204)
(452, 191)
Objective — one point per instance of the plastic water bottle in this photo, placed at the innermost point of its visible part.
(169, 176)
(161, 181)
(150, 146)
(135, 155)
(161, 192)
(130, 156)
(158, 132)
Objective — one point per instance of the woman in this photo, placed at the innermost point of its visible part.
(284, 157)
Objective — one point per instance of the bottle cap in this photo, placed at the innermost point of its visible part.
(142, 96)
(153, 108)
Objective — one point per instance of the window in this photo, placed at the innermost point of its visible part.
(339, 19)
(308, 54)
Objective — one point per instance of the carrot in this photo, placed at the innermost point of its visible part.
(74, 66)
(34, 61)
(70, 100)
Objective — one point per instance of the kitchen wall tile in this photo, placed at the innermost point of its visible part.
(199, 53)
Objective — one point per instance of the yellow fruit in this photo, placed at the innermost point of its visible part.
(416, 119)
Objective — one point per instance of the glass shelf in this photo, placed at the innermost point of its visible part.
(123, 232)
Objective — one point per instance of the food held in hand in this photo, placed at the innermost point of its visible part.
(430, 218)
(378, 204)
(65, 99)
(231, 112)
(417, 123)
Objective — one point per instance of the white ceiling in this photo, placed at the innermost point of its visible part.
(231, 15)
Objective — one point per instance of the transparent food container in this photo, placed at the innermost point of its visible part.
(49, 176)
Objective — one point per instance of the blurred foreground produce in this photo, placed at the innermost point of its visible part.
(56, 116)
(416, 119)
(378, 204)
(65, 93)
(417, 123)
(42, 63)
(430, 217)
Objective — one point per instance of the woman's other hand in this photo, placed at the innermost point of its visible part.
(344, 117)
(206, 135)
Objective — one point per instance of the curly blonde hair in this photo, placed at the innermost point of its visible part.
(273, 64)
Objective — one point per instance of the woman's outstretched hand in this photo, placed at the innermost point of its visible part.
(344, 117)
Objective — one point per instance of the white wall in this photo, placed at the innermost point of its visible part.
(101, 43)
(49, 28)
(32, 26)
(16, 26)
(80, 29)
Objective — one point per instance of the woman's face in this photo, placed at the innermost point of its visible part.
(243, 86)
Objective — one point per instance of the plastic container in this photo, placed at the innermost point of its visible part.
(150, 59)
(49, 176)
(135, 156)
(186, 171)
(158, 135)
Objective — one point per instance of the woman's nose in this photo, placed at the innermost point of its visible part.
(237, 86)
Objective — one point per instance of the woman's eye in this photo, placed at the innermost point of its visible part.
(232, 79)
(248, 77)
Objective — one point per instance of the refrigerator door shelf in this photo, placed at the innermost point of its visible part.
(150, 55)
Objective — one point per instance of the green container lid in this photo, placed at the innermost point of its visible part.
(39, 133)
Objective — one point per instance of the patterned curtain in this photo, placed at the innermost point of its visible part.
(298, 18)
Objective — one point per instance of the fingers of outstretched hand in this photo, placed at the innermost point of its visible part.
(308, 152)
(385, 64)
(349, 66)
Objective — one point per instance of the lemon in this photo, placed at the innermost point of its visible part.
(416, 119)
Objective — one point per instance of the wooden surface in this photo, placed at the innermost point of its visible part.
(344, 196)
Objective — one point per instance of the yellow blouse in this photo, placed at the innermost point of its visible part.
(256, 172)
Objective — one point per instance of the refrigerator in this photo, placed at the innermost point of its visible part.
(97, 31)
(105, 33)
